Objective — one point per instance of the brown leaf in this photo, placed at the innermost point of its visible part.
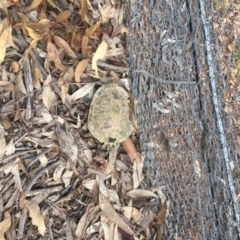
(61, 43)
(112, 215)
(90, 31)
(5, 225)
(161, 214)
(34, 5)
(48, 95)
(36, 75)
(63, 16)
(68, 76)
(53, 55)
(54, 5)
(83, 9)
(15, 67)
(33, 44)
(99, 54)
(80, 69)
(33, 34)
(85, 42)
(131, 150)
(35, 214)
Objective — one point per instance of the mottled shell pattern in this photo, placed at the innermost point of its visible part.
(109, 115)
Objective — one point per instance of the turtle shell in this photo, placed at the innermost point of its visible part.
(109, 115)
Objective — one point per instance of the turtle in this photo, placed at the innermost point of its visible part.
(109, 118)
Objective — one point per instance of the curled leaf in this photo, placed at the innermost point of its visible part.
(80, 69)
(35, 214)
(99, 54)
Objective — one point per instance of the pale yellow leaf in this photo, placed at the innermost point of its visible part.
(80, 69)
(61, 43)
(99, 54)
(3, 42)
(34, 5)
(4, 4)
(139, 193)
(2, 143)
(35, 214)
(5, 225)
(48, 95)
(81, 92)
(63, 16)
(64, 92)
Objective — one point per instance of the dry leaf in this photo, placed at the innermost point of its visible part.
(64, 92)
(7, 86)
(161, 214)
(36, 75)
(90, 31)
(32, 45)
(10, 40)
(61, 43)
(15, 67)
(83, 9)
(63, 16)
(10, 148)
(48, 95)
(107, 12)
(19, 83)
(54, 5)
(84, 45)
(66, 177)
(3, 41)
(99, 54)
(81, 92)
(137, 174)
(131, 150)
(35, 214)
(106, 231)
(80, 69)
(34, 5)
(34, 35)
(5, 225)
(53, 55)
(2, 144)
(139, 193)
(89, 184)
(112, 215)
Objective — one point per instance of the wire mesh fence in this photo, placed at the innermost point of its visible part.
(186, 86)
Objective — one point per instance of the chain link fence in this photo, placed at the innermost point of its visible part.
(182, 80)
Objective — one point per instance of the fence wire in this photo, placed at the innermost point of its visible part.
(182, 80)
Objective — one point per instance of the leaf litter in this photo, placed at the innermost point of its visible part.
(56, 180)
